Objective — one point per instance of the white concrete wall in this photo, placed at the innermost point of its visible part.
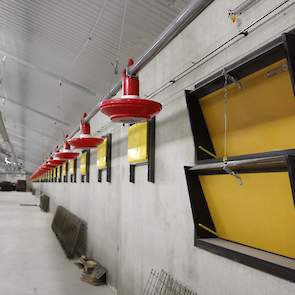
(136, 227)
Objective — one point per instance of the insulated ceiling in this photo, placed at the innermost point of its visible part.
(74, 41)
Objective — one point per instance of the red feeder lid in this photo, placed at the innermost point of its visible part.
(45, 167)
(85, 141)
(56, 162)
(66, 153)
(130, 107)
(49, 165)
(126, 110)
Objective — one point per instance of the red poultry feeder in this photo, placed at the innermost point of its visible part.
(130, 108)
(45, 167)
(50, 166)
(66, 153)
(85, 140)
(54, 161)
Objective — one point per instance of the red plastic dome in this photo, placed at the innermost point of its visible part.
(54, 161)
(130, 108)
(45, 167)
(133, 110)
(66, 153)
(85, 141)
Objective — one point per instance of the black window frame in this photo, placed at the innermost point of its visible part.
(283, 47)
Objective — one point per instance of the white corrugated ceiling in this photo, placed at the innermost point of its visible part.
(45, 41)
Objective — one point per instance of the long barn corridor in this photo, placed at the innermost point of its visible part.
(32, 261)
(147, 148)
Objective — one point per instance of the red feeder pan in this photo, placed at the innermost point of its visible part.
(66, 153)
(55, 162)
(85, 141)
(130, 108)
(45, 167)
(124, 110)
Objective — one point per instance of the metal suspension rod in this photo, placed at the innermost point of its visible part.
(178, 24)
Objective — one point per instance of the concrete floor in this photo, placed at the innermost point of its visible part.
(31, 259)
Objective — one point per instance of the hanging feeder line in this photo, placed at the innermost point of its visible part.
(159, 45)
(177, 25)
(156, 47)
(85, 141)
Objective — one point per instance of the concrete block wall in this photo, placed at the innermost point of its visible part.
(136, 227)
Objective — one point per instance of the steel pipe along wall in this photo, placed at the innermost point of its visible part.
(179, 23)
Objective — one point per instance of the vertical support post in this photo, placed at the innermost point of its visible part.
(75, 171)
(99, 175)
(109, 157)
(87, 176)
(132, 173)
(151, 149)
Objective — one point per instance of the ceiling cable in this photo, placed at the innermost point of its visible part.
(60, 85)
(122, 31)
(116, 64)
(90, 35)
